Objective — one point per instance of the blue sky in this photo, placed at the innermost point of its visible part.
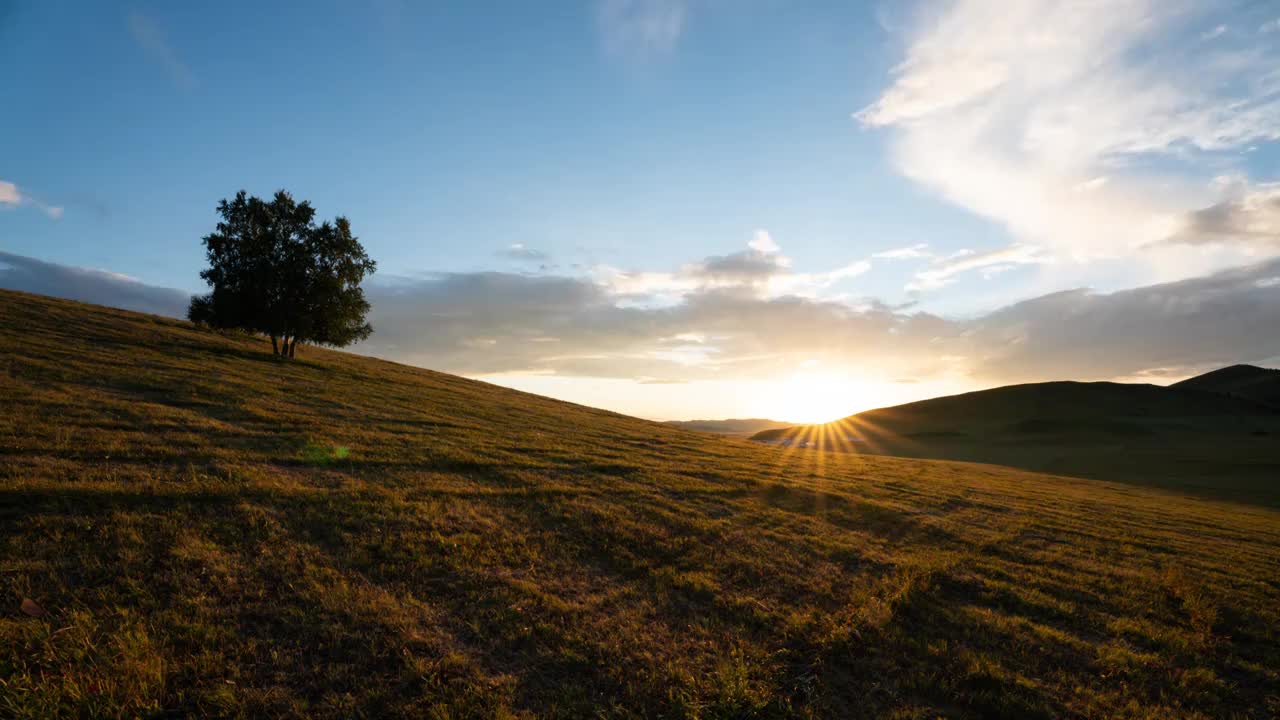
(656, 176)
(450, 133)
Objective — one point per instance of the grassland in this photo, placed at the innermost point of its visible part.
(1244, 381)
(1197, 441)
(208, 532)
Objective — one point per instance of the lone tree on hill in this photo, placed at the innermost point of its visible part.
(274, 271)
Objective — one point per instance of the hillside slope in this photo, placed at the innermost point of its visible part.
(203, 531)
(1210, 443)
(737, 426)
(1246, 381)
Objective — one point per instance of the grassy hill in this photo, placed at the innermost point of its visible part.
(1183, 438)
(203, 531)
(1245, 381)
(741, 426)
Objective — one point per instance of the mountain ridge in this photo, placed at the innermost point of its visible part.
(730, 426)
(1248, 381)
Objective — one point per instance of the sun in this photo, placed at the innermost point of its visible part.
(820, 397)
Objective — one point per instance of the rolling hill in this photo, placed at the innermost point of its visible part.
(189, 528)
(1245, 381)
(1185, 438)
(742, 426)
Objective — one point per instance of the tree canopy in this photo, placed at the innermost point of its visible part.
(273, 270)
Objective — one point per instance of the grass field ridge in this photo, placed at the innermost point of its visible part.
(1195, 437)
(204, 531)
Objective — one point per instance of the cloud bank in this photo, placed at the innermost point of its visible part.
(1250, 218)
(100, 287)
(504, 323)
(496, 322)
(759, 271)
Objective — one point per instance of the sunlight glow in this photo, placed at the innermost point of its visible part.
(822, 396)
(809, 393)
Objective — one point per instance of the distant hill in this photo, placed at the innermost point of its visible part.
(1246, 381)
(189, 528)
(1196, 439)
(743, 426)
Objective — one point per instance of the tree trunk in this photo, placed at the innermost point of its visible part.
(275, 349)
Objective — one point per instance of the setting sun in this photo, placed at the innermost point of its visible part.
(819, 397)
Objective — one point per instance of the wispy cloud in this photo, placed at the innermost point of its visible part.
(1085, 128)
(912, 252)
(155, 43)
(12, 196)
(1215, 32)
(945, 269)
(524, 253)
(641, 29)
(942, 269)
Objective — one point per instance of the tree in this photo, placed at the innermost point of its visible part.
(274, 271)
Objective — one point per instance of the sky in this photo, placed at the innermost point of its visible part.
(685, 208)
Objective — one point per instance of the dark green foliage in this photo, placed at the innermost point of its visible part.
(274, 271)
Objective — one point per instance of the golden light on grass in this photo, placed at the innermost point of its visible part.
(432, 544)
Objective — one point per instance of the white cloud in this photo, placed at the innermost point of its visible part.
(1092, 184)
(763, 242)
(9, 194)
(992, 262)
(12, 196)
(640, 29)
(943, 269)
(913, 252)
(1083, 127)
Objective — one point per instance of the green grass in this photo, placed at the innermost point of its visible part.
(214, 533)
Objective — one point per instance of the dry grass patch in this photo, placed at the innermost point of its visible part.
(209, 532)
